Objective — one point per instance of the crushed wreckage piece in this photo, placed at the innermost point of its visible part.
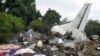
(54, 48)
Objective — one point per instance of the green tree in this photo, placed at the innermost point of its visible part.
(37, 25)
(22, 8)
(10, 24)
(93, 28)
(50, 18)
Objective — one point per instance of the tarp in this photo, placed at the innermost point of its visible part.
(8, 47)
(24, 50)
(13, 51)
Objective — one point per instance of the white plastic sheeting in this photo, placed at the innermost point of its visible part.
(24, 50)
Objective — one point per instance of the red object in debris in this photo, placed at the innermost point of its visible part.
(1, 54)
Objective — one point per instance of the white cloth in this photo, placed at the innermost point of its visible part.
(24, 50)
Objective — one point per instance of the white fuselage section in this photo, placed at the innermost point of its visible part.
(77, 26)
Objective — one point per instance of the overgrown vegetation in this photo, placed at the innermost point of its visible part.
(10, 24)
(93, 28)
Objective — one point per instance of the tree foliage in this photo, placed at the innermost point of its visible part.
(21, 8)
(37, 25)
(50, 18)
(10, 24)
(93, 28)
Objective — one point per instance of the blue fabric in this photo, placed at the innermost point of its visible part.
(13, 51)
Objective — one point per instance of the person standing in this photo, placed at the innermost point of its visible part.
(29, 33)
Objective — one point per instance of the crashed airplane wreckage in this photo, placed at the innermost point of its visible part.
(66, 37)
(74, 29)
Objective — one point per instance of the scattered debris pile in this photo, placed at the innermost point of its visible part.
(56, 46)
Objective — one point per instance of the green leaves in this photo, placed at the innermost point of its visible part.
(93, 28)
(5, 26)
(50, 18)
(25, 9)
(10, 23)
(37, 25)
